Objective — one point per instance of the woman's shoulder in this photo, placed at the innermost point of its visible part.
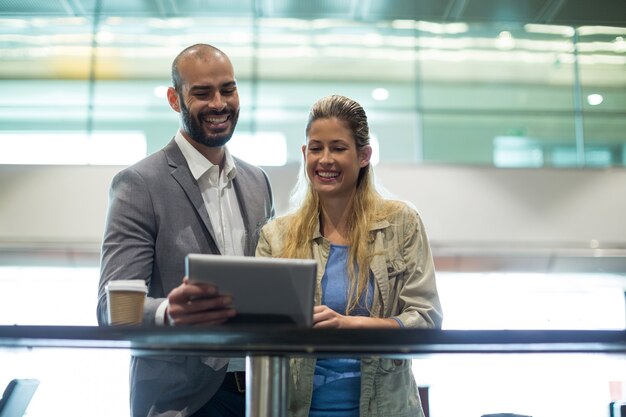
(402, 214)
(278, 224)
(395, 209)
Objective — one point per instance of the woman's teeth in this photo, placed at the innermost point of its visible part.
(324, 174)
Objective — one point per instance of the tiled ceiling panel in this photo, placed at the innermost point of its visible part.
(238, 8)
(404, 9)
(309, 9)
(563, 12)
(502, 10)
(582, 12)
(131, 8)
(30, 7)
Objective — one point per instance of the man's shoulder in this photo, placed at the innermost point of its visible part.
(250, 173)
(153, 160)
(248, 167)
(149, 169)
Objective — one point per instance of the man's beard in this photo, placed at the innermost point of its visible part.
(194, 128)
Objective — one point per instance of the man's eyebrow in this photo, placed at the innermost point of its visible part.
(200, 88)
(332, 141)
(209, 87)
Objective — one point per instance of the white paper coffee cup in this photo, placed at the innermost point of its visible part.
(125, 300)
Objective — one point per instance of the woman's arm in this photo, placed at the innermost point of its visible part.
(418, 298)
(324, 317)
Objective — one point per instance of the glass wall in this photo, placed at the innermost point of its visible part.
(503, 94)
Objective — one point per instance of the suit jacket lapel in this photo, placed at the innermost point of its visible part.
(241, 190)
(182, 175)
(251, 204)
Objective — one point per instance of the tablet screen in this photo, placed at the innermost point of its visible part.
(264, 290)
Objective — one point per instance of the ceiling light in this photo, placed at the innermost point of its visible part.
(240, 37)
(403, 24)
(442, 28)
(566, 31)
(594, 99)
(160, 91)
(13, 23)
(380, 94)
(372, 39)
(455, 28)
(104, 37)
(601, 30)
(620, 44)
(38, 22)
(505, 40)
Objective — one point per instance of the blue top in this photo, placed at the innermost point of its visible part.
(337, 382)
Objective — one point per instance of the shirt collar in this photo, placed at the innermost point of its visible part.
(198, 164)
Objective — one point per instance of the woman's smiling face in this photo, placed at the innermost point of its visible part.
(332, 159)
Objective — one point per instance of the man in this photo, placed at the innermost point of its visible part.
(190, 197)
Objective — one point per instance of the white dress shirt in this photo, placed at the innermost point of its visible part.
(218, 193)
(220, 200)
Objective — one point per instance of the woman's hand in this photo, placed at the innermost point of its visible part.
(198, 303)
(326, 318)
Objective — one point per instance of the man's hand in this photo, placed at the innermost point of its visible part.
(198, 303)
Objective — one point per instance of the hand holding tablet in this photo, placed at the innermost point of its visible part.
(263, 290)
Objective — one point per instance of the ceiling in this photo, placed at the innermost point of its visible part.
(557, 12)
(339, 39)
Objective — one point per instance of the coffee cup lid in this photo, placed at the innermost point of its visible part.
(127, 285)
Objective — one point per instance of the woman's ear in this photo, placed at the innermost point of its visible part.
(304, 152)
(172, 98)
(365, 153)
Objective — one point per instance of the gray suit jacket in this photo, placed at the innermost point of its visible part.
(156, 217)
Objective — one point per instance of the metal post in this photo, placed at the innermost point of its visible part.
(266, 386)
(579, 129)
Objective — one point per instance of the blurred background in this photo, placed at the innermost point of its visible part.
(502, 121)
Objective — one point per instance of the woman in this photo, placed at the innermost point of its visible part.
(375, 269)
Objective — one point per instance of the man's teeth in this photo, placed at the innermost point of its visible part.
(214, 119)
(328, 174)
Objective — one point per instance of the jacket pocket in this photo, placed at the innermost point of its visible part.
(396, 272)
(396, 390)
(392, 366)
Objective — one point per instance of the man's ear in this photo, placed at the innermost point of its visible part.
(365, 153)
(172, 98)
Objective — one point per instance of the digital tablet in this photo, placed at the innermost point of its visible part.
(264, 290)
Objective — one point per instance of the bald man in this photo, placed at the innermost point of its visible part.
(192, 196)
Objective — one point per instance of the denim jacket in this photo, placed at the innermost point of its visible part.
(404, 288)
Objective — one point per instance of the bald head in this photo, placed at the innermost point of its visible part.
(199, 51)
(204, 94)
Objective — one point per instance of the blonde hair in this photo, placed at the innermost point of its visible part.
(368, 205)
